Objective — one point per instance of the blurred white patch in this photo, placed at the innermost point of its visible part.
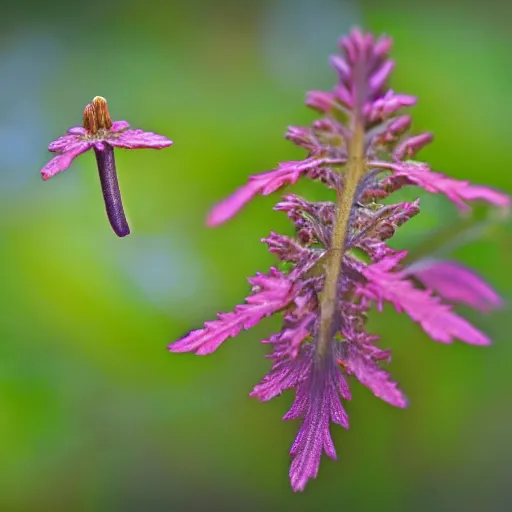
(298, 36)
(164, 271)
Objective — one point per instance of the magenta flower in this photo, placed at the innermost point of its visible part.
(101, 134)
(338, 263)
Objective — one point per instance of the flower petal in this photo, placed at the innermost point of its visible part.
(66, 142)
(138, 139)
(118, 126)
(62, 162)
(455, 283)
(77, 130)
(271, 293)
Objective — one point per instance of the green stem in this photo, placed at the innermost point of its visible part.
(356, 169)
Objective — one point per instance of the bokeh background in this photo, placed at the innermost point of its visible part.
(95, 414)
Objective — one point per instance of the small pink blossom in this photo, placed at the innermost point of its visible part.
(102, 134)
(114, 133)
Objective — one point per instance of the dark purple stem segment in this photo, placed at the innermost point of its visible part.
(111, 192)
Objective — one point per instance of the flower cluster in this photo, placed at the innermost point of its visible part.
(339, 262)
(102, 134)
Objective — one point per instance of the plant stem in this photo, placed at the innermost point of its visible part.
(329, 297)
(111, 193)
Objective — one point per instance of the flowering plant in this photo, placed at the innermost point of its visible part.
(339, 262)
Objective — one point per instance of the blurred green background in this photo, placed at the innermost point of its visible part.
(95, 414)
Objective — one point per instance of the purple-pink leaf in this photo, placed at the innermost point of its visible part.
(319, 389)
(387, 105)
(459, 192)
(379, 77)
(299, 327)
(438, 320)
(271, 293)
(321, 101)
(455, 283)
(295, 336)
(409, 147)
(304, 137)
(318, 402)
(285, 374)
(285, 248)
(364, 367)
(286, 174)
